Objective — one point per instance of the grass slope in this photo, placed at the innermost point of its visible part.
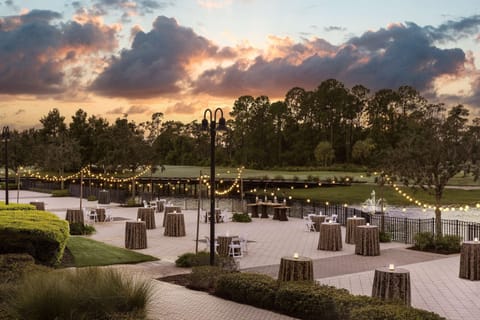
(88, 252)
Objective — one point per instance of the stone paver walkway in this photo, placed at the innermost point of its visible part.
(435, 282)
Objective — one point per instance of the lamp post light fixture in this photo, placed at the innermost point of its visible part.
(213, 129)
(5, 138)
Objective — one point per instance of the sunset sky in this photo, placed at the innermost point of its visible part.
(117, 57)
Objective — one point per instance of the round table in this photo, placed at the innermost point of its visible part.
(38, 205)
(135, 235)
(367, 241)
(147, 215)
(470, 260)
(280, 213)
(74, 216)
(223, 244)
(318, 220)
(175, 225)
(352, 224)
(170, 209)
(100, 214)
(330, 237)
(295, 269)
(392, 285)
(254, 207)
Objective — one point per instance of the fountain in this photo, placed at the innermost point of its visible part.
(371, 204)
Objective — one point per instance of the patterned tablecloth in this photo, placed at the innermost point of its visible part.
(295, 269)
(470, 260)
(392, 285)
(175, 225)
(330, 237)
(352, 224)
(367, 241)
(147, 215)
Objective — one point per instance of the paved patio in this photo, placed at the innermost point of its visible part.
(434, 278)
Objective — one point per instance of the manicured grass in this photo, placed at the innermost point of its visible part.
(88, 252)
(358, 193)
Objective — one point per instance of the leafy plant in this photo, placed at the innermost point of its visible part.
(385, 236)
(88, 293)
(205, 278)
(60, 193)
(78, 228)
(91, 198)
(190, 259)
(241, 217)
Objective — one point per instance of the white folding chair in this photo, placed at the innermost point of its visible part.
(91, 215)
(207, 240)
(244, 243)
(309, 225)
(235, 248)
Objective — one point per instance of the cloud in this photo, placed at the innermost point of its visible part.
(157, 62)
(37, 55)
(20, 111)
(181, 108)
(334, 28)
(137, 109)
(401, 54)
(118, 110)
(128, 7)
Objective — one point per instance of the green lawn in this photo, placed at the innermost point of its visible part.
(88, 252)
(358, 193)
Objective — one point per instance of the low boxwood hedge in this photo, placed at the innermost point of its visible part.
(41, 234)
(307, 300)
(249, 288)
(392, 312)
(16, 206)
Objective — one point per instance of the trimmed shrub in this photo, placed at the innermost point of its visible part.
(86, 293)
(60, 193)
(78, 229)
(16, 206)
(91, 198)
(190, 259)
(306, 301)
(250, 288)
(448, 244)
(205, 278)
(385, 236)
(241, 217)
(392, 312)
(424, 241)
(39, 233)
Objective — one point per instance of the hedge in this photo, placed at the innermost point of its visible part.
(307, 300)
(41, 234)
(16, 206)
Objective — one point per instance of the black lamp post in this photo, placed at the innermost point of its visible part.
(5, 138)
(213, 128)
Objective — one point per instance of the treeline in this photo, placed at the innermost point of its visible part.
(331, 124)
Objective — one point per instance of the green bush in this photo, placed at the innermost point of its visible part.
(60, 193)
(91, 198)
(250, 288)
(205, 278)
(131, 202)
(424, 241)
(392, 312)
(241, 217)
(385, 236)
(190, 259)
(448, 243)
(41, 234)
(306, 301)
(16, 206)
(78, 229)
(86, 293)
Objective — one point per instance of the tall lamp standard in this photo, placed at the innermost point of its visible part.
(5, 138)
(213, 128)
